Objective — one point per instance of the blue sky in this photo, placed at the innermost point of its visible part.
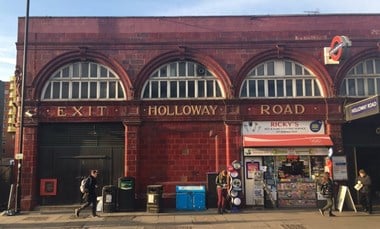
(10, 10)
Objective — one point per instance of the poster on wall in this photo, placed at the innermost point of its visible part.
(251, 168)
(339, 168)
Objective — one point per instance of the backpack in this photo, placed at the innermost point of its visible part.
(84, 185)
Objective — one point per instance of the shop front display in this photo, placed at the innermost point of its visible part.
(287, 173)
(286, 177)
(297, 194)
(295, 187)
(236, 185)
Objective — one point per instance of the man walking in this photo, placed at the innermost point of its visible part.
(89, 194)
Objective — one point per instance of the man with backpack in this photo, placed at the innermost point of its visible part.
(88, 188)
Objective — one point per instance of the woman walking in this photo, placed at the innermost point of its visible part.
(327, 192)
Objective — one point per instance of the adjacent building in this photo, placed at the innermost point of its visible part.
(170, 100)
(7, 130)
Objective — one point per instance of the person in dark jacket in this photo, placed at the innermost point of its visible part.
(365, 191)
(327, 192)
(89, 195)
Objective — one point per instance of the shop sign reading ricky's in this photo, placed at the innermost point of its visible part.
(283, 127)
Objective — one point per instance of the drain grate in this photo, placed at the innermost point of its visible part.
(293, 226)
(36, 218)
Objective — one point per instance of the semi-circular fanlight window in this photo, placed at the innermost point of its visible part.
(182, 80)
(83, 81)
(362, 80)
(280, 79)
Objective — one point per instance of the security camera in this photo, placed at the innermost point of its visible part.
(29, 114)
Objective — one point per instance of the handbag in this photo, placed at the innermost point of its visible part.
(326, 191)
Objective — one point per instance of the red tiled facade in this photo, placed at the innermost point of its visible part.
(166, 142)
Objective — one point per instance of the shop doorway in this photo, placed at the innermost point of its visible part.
(368, 158)
(254, 181)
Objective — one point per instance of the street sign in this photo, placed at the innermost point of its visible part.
(362, 108)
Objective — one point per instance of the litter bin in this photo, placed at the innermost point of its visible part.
(126, 194)
(211, 195)
(154, 196)
(191, 197)
(109, 198)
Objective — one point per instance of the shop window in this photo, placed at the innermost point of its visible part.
(182, 80)
(280, 79)
(299, 167)
(83, 81)
(360, 80)
(293, 167)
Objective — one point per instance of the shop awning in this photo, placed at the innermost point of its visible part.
(287, 140)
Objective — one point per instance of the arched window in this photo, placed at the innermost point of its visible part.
(182, 80)
(362, 80)
(280, 79)
(83, 81)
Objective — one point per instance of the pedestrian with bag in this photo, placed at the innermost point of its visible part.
(365, 183)
(89, 194)
(327, 190)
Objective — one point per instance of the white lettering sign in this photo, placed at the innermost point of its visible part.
(186, 110)
(283, 127)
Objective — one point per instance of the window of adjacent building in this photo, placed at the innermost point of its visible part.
(362, 80)
(280, 79)
(83, 81)
(182, 80)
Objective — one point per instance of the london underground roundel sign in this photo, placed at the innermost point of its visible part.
(338, 47)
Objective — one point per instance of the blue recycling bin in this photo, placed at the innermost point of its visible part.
(191, 198)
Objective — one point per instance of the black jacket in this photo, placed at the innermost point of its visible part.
(366, 181)
(221, 181)
(327, 189)
(91, 185)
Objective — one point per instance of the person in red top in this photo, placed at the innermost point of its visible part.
(221, 189)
